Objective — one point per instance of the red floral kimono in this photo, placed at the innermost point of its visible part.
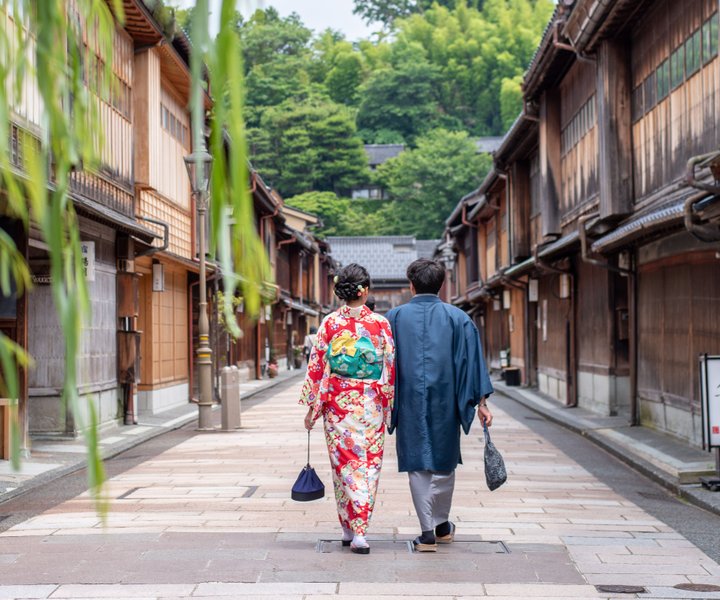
(351, 382)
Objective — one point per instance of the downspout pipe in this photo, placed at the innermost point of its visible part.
(166, 236)
(585, 252)
(704, 233)
(690, 172)
(569, 47)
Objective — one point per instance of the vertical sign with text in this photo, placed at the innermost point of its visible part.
(710, 396)
(88, 258)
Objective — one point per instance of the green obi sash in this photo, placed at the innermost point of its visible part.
(355, 358)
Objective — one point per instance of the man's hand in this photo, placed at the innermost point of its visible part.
(309, 420)
(484, 414)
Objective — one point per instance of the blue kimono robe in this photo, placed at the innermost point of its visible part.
(441, 376)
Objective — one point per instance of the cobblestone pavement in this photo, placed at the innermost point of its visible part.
(211, 517)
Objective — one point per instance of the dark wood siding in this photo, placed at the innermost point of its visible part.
(675, 90)
(593, 323)
(578, 137)
(552, 339)
(678, 319)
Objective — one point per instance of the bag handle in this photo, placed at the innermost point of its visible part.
(485, 431)
(308, 458)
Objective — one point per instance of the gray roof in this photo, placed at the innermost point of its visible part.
(379, 153)
(385, 257)
(488, 144)
(426, 248)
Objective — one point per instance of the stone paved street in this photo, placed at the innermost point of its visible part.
(211, 517)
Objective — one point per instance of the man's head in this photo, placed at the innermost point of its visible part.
(370, 302)
(426, 276)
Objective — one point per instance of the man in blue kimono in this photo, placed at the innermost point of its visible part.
(441, 380)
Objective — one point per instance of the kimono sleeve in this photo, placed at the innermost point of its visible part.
(472, 379)
(387, 382)
(312, 392)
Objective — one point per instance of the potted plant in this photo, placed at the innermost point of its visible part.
(297, 356)
(272, 367)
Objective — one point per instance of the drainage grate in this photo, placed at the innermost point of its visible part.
(532, 418)
(251, 489)
(326, 546)
(698, 587)
(129, 493)
(621, 589)
(481, 546)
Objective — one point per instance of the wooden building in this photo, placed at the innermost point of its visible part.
(165, 274)
(589, 253)
(298, 276)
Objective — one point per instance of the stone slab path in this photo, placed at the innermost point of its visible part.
(212, 517)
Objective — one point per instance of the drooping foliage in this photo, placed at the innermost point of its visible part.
(36, 166)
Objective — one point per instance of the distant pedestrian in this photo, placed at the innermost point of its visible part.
(351, 382)
(309, 342)
(441, 379)
(370, 303)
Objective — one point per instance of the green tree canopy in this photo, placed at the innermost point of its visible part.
(309, 147)
(388, 11)
(342, 216)
(474, 52)
(427, 182)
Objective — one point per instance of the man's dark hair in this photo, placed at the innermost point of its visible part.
(427, 276)
(370, 302)
(349, 280)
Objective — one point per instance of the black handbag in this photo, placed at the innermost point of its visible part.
(495, 473)
(308, 485)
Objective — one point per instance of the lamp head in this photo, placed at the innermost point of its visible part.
(199, 167)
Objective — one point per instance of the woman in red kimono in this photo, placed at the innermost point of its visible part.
(351, 382)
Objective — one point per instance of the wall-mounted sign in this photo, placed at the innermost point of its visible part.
(533, 290)
(710, 400)
(88, 258)
(158, 277)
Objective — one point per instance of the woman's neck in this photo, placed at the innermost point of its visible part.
(355, 303)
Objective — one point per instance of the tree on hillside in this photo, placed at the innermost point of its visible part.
(267, 35)
(338, 67)
(342, 216)
(427, 182)
(276, 56)
(388, 11)
(310, 146)
(475, 51)
(401, 99)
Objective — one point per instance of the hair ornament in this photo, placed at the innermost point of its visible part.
(360, 288)
(336, 279)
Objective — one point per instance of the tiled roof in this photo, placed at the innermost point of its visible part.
(385, 257)
(379, 153)
(488, 144)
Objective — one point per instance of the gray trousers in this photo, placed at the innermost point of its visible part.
(432, 493)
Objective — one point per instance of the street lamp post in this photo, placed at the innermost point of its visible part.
(199, 165)
(448, 257)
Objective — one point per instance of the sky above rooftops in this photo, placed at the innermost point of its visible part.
(315, 14)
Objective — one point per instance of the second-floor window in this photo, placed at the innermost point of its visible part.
(173, 125)
(686, 58)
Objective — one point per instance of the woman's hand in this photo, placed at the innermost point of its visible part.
(484, 414)
(309, 422)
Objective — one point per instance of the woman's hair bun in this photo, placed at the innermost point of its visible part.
(349, 280)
